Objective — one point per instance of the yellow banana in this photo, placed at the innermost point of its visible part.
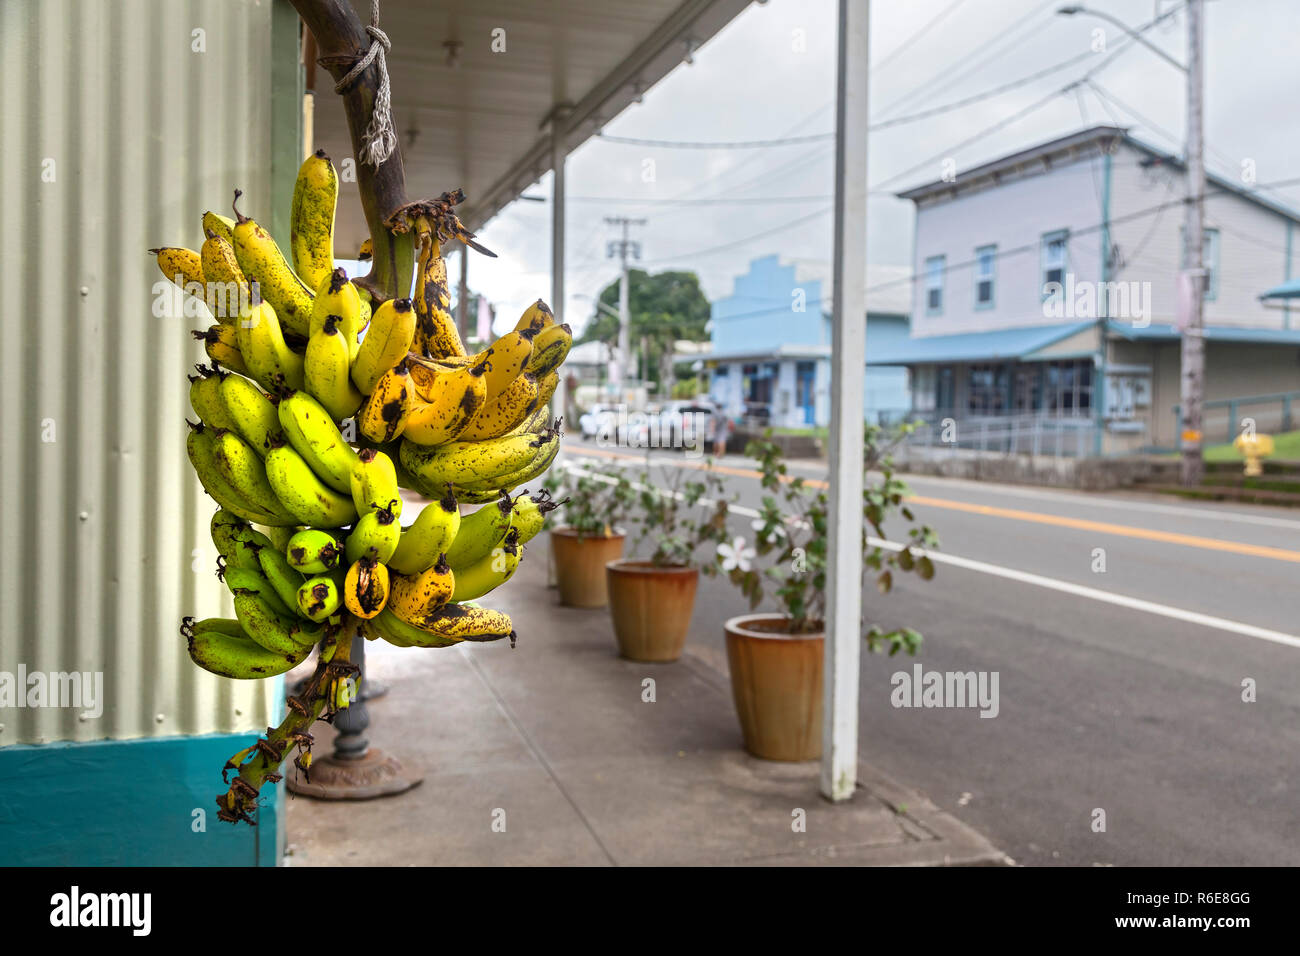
(548, 446)
(221, 342)
(184, 267)
(489, 572)
(326, 371)
(510, 354)
(219, 225)
(305, 496)
(401, 634)
(226, 291)
(338, 297)
(468, 622)
(415, 598)
(537, 317)
(367, 249)
(274, 365)
(389, 338)
(264, 263)
(468, 462)
(503, 413)
(433, 531)
(312, 433)
(436, 333)
(546, 386)
(550, 348)
(365, 588)
(311, 222)
(383, 416)
(453, 399)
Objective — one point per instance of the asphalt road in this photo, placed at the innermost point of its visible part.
(1119, 690)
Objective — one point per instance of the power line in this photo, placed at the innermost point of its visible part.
(717, 144)
(897, 51)
(740, 242)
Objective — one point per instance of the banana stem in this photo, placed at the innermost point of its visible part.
(240, 801)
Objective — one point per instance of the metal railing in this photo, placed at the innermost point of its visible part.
(1025, 434)
(1271, 413)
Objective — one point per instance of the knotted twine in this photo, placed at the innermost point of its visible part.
(379, 139)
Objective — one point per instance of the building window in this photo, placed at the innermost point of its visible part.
(1053, 259)
(934, 269)
(1209, 261)
(986, 389)
(985, 261)
(1067, 387)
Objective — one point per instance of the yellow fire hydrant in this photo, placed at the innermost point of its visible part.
(1253, 448)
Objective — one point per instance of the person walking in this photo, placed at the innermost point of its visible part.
(721, 432)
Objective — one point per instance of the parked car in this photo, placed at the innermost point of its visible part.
(600, 421)
(685, 424)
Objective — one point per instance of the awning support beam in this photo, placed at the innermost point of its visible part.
(848, 357)
(559, 152)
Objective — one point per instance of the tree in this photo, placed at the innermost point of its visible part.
(663, 308)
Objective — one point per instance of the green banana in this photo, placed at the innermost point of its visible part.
(318, 598)
(239, 545)
(374, 483)
(547, 446)
(221, 646)
(254, 582)
(276, 633)
(200, 445)
(311, 220)
(325, 371)
(264, 263)
(530, 511)
(480, 532)
(284, 579)
(280, 537)
(205, 396)
(253, 415)
(314, 436)
(376, 535)
(245, 472)
(313, 551)
(489, 572)
(305, 496)
(432, 532)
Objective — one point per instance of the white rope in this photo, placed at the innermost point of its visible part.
(380, 139)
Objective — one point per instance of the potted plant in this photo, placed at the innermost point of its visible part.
(651, 600)
(589, 535)
(776, 657)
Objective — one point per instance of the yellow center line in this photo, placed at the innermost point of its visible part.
(1035, 517)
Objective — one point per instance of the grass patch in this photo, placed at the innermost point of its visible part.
(1286, 447)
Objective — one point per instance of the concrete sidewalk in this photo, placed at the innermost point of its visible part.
(554, 739)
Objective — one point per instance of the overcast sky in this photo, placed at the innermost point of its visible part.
(770, 74)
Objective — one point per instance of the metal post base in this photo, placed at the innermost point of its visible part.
(375, 774)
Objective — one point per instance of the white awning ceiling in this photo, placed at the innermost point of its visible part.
(482, 123)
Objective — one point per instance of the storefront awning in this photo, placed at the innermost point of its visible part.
(997, 345)
(1213, 333)
(1287, 290)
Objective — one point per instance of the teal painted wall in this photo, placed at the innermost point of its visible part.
(129, 803)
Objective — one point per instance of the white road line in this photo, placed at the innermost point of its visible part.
(1052, 584)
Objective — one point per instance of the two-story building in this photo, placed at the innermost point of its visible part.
(770, 345)
(1045, 285)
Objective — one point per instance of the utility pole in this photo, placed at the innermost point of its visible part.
(623, 248)
(1191, 286)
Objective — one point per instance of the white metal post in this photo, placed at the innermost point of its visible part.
(848, 369)
(1192, 299)
(560, 400)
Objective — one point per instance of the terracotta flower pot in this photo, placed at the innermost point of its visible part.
(651, 607)
(580, 565)
(776, 680)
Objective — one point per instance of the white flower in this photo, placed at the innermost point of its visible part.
(736, 555)
(778, 531)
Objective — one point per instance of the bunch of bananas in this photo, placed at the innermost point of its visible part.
(320, 406)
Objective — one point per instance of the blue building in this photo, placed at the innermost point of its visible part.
(770, 344)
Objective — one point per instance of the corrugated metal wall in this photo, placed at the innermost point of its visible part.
(122, 121)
